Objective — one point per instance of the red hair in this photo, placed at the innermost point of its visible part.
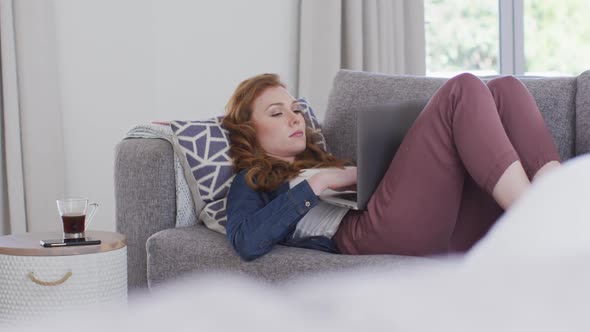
(265, 173)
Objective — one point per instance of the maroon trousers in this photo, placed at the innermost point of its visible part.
(436, 195)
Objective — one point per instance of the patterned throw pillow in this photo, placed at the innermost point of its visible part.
(312, 122)
(203, 149)
(204, 154)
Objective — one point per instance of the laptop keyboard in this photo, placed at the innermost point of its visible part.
(347, 196)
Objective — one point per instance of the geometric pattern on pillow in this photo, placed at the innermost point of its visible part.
(312, 122)
(205, 147)
(206, 159)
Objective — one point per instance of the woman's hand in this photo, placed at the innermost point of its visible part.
(335, 179)
(349, 188)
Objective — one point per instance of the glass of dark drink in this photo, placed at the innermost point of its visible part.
(73, 212)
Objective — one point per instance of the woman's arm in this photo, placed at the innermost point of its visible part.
(254, 227)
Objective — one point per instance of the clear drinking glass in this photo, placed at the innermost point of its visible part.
(73, 212)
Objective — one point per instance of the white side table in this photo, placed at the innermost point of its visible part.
(36, 281)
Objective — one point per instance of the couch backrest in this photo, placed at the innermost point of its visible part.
(555, 96)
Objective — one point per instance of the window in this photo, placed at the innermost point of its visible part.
(556, 37)
(461, 36)
(521, 37)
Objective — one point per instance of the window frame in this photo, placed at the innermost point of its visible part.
(511, 23)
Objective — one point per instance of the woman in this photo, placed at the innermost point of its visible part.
(470, 155)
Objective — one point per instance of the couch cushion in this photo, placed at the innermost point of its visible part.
(583, 114)
(174, 252)
(556, 98)
(352, 90)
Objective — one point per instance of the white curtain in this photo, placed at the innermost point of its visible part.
(384, 36)
(32, 174)
(12, 195)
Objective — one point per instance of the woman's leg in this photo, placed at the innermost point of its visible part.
(415, 207)
(524, 124)
(528, 133)
(477, 214)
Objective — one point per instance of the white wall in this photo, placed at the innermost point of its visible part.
(204, 49)
(123, 62)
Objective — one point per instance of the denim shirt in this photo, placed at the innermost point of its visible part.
(257, 221)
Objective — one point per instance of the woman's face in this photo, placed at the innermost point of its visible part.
(279, 124)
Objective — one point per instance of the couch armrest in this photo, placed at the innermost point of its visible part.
(145, 198)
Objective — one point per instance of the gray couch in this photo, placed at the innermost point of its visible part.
(145, 184)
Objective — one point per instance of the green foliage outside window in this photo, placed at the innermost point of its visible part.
(557, 36)
(461, 35)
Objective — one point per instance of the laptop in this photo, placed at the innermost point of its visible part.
(380, 131)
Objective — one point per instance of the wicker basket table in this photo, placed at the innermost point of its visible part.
(37, 281)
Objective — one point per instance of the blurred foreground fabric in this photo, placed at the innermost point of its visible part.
(529, 274)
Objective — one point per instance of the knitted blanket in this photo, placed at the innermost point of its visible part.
(185, 207)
